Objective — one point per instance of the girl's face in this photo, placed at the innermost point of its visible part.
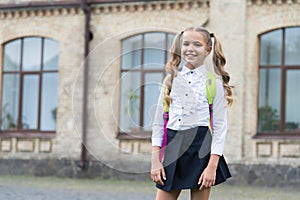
(194, 49)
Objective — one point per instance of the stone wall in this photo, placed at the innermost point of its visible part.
(31, 1)
(236, 23)
(227, 20)
(256, 175)
(64, 26)
(263, 17)
(111, 24)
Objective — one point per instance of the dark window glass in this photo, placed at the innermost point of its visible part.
(269, 99)
(131, 52)
(292, 46)
(154, 50)
(30, 101)
(130, 101)
(151, 96)
(29, 88)
(271, 48)
(32, 51)
(12, 56)
(49, 101)
(279, 79)
(292, 109)
(142, 70)
(10, 101)
(50, 55)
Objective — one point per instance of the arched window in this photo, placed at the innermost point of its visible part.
(279, 80)
(142, 69)
(29, 85)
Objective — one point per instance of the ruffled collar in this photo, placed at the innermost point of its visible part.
(199, 70)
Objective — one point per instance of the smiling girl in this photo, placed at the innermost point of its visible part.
(193, 157)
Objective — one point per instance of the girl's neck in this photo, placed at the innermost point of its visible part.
(191, 67)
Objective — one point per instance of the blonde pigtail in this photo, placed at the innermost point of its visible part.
(219, 63)
(172, 67)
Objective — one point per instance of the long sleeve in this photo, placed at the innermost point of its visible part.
(219, 120)
(158, 122)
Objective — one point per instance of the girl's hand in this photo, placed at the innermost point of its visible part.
(208, 177)
(157, 172)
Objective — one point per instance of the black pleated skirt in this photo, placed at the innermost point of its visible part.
(186, 156)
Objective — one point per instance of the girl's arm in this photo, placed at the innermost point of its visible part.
(219, 120)
(158, 121)
(207, 178)
(157, 169)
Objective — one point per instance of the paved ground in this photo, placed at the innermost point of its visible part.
(49, 188)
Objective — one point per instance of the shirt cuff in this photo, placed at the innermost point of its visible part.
(217, 149)
(156, 141)
(219, 153)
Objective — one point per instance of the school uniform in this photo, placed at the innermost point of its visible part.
(190, 142)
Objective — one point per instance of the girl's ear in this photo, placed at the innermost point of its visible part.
(208, 50)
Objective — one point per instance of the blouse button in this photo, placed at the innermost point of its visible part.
(186, 94)
(189, 82)
(192, 72)
(179, 119)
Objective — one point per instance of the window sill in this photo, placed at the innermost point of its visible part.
(26, 134)
(277, 136)
(141, 135)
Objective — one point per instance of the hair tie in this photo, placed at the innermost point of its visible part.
(211, 35)
(181, 32)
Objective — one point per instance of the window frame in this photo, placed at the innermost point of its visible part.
(141, 134)
(281, 134)
(19, 132)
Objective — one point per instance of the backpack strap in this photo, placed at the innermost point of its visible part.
(166, 120)
(165, 138)
(165, 105)
(211, 93)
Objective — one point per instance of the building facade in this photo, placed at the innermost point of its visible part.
(80, 80)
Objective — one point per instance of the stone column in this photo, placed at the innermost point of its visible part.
(228, 21)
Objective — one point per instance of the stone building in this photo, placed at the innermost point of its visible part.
(80, 79)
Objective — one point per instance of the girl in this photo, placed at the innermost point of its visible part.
(193, 156)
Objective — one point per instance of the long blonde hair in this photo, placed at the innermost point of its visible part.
(218, 60)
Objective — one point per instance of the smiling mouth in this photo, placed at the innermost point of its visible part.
(190, 55)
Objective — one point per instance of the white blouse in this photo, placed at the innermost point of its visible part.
(189, 108)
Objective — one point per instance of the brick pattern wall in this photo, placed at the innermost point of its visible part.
(110, 24)
(263, 17)
(14, 145)
(28, 1)
(236, 23)
(64, 26)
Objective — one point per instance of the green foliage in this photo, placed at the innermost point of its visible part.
(268, 119)
(132, 97)
(291, 125)
(7, 121)
(54, 112)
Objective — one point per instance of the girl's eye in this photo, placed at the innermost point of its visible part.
(185, 44)
(198, 44)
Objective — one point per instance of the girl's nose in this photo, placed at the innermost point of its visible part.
(190, 48)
